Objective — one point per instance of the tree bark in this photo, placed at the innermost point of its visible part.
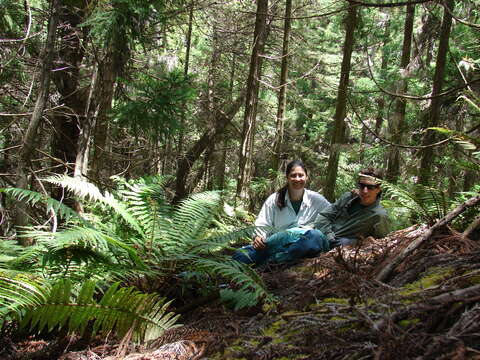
(397, 121)
(109, 67)
(471, 228)
(251, 101)
(340, 111)
(282, 94)
(194, 153)
(83, 148)
(185, 72)
(425, 170)
(28, 141)
(67, 122)
(385, 60)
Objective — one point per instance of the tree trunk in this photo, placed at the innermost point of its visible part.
(385, 61)
(340, 111)
(109, 67)
(189, 39)
(70, 55)
(363, 139)
(221, 164)
(282, 94)
(185, 72)
(251, 101)
(426, 155)
(83, 148)
(192, 155)
(397, 121)
(23, 167)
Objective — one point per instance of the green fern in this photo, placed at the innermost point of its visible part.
(9, 251)
(88, 191)
(17, 291)
(238, 298)
(237, 272)
(154, 239)
(120, 310)
(424, 203)
(193, 216)
(417, 201)
(86, 238)
(146, 201)
(217, 241)
(32, 198)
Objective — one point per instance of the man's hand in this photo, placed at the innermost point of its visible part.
(259, 243)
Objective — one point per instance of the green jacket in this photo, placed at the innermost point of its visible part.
(336, 221)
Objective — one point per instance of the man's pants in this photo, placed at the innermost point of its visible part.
(285, 247)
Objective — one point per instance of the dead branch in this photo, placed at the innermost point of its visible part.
(457, 295)
(469, 230)
(448, 297)
(387, 270)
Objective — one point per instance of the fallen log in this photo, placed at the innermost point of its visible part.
(448, 297)
(471, 228)
(388, 269)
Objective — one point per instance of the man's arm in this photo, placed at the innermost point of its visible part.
(382, 227)
(326, 218)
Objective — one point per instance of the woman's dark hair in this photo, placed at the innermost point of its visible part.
(282, 193)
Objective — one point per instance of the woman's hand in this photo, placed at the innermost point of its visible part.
(259, 243)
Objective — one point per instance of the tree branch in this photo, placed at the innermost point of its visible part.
(391, 143)
(388, 269)
(387, 5)
(412, 97)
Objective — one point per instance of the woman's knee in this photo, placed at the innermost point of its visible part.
(243, 255)
(317, 237)
(305, 246)
(249, 255)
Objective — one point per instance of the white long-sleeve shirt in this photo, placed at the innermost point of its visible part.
(272, 219)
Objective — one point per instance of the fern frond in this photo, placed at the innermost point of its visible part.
(33, 197)
(241, 274)
(88, 191)
(91, 238)
(147, 204)
(191, 219)
(220, 241)
(18, 291)
(239, 298)
(9, 250)
(70, 249)
(120, 310)
(424, 202)
(414, 201)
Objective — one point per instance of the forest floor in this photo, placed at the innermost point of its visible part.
(329, 307)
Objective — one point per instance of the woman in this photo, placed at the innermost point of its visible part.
(284, 218)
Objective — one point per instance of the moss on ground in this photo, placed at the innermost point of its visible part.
(432, 277)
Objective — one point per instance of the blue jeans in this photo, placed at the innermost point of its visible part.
(284, 247)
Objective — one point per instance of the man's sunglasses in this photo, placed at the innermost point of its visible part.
(362, 186)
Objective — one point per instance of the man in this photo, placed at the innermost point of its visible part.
(356, 214)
